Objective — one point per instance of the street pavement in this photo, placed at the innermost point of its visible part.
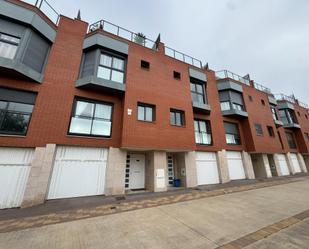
(203, 223)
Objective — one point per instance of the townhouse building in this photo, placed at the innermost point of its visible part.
(99, 110)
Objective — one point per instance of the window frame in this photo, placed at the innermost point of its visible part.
(182, 117)
(145, 105)
(92, 101)
(15, 112)
(237, 135)
(208, 131)
(271, 131)
(195, 91)
(145, 65)
(291, 146)
(10, 43)
(258, 129)
(274, 113)
(112, 55)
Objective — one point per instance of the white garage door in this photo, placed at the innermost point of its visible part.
(295, 163)
(78, 171)
(207, 168)
(283, 165)
(15, 165)
(235, 165)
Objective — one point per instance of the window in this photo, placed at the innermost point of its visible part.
(91, 118)
(177, 75)
(298, 113)
(262, 101)
(231, 133)
(177, 117)
(291, 141)
(8, 46)
(287, 116)
(14, 117)
(274, 112)
(258, 129)
(250, 98)
(145, 112)
(270, 131)
(231, 100)
(202, 132)
(197, 92)
(111, 68)
(306, 116)
(145, 64)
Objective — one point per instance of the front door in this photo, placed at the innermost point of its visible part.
(137, 171)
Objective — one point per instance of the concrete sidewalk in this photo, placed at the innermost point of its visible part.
(201, 223)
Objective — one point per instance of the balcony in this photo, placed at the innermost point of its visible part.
(236, 110)
(225, 74)
(278, 123)
(140, 39)
(287, 115)
(201, 107)
(261, 88)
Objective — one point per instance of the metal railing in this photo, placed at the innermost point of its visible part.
(261, 88)
(123, 33)
(223, 74)
(302, 104)
(46, 8)
(145, 42)
(282, 96)
(182, 57)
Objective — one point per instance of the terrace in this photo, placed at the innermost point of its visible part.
(225, 74)
(143, 41)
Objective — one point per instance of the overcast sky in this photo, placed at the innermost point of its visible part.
(269, 39)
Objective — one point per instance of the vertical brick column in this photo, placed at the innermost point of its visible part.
(266, 165)
(160, 164)
(115, 172)
(248, 167)
(302, 163)
(40, 173)
(191, 174)
(223, 167)
(277, 165)
(289, 162)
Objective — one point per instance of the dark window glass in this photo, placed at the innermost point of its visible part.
(14, 117)
(258, 129)
(145, 112)
(306, 116)
(270, 131)
(262, 101)
(288, 116)
(231, 133)
(231, 100)
(202, 132)
(250, 98)
(274, 112)
(291, 141)
(111, 68)
(177, 75)
(197, 92)
(177, 117)
(298, 113)
(91, 118)
(145, 64)
(8, 46)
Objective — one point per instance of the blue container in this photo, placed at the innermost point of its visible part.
(177, 183)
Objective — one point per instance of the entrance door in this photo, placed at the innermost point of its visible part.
(137, 171)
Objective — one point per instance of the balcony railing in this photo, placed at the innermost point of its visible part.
(302, 104)
(261, 88)
(285, 97)
(145, 42)
(123, 33)
(227, 74)
(46, 8)
(183, 57)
